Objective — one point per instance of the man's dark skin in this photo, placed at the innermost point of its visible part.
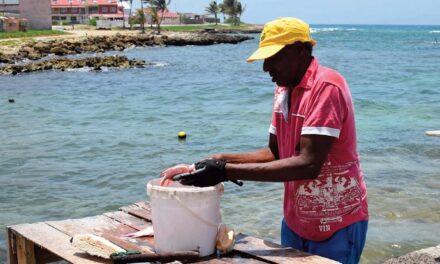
(287, 68)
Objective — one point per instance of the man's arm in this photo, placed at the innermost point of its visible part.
(267, 154)
(313, 153)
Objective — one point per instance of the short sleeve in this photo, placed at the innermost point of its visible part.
(276, 109)
(325, 112)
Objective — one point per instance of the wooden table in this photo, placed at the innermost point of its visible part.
(50, 241)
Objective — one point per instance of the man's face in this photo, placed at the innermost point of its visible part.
(284, 66)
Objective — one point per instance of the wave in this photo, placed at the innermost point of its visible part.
(330, 29)
(434, 31)
(160, 64)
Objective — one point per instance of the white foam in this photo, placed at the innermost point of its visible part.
(160, 64)
(330, 29)
(434, 31)
(85, 69)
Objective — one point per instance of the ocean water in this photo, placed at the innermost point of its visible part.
(80, 143)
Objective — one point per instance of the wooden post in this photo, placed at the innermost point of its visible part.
(25, 251)
(11, 247)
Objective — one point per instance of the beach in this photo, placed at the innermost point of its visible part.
(80, 142)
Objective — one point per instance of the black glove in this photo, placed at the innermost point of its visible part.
(208, 172)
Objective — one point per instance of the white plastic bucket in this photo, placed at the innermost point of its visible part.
(185, 217)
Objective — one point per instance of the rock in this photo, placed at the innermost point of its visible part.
(117, 42)
(58, 51)
(63, 64)
(427, 256)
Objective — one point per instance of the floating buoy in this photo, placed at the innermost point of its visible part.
(181, 135)
(11, 100)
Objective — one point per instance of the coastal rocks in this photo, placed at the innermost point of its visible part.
(118, 42)
(427, 256)
(201, 39)
(63, 64)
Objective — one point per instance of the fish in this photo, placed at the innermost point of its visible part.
(169, 173)
(141, 233)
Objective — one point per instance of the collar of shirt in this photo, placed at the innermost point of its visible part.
(305, 83)
(309, 77)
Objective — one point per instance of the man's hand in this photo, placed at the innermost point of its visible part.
(208, 172)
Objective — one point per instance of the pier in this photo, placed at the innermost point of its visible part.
(49, 241)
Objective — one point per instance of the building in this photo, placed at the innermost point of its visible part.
(171, 18)
(9, 7)
(12, 24)
(80, 11)
(168, 17)
(37, 12)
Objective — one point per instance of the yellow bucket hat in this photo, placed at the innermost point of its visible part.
(279, 33)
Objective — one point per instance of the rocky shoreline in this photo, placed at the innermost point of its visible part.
(118, 42)
(95, 63)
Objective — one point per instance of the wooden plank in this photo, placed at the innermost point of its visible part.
(25, 251)
(90, 225)
(129, 220)
(137, 211)
(54, 241)
(42, 255)
(144, 205)
(11, 249)
(233, 258)
(105, 227)
(274, 253)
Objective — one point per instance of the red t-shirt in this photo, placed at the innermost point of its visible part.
(321, 105)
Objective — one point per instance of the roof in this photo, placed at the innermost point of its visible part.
(81, 3)
(121, 15)
(166, 14)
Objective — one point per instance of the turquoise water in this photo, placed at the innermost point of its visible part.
(80, 143)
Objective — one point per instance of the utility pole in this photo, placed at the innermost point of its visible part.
(71, 15)
(123, 13)
(143, 17)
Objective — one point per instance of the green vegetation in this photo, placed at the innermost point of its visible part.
(234, 9)
(92, 22)
(30, 33)
(9, 43)
(203, 27)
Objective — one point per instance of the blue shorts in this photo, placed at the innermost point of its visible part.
(344, 246)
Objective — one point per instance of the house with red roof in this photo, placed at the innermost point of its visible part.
(80, 11)
(168, 17)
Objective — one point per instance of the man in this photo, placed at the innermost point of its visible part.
(312, 149)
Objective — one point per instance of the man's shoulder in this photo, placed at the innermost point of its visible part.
(326, 75)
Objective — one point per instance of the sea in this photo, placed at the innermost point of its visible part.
(80, 143)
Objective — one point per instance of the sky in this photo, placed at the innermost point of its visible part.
(386, 12)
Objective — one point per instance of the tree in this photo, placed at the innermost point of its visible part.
(234, 9)
(214, 9)
(157, 10)
(141, 19)
(239, 10)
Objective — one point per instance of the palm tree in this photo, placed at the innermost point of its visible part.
(239, 10)
(157, 6)
(234, 9)
(213, 8)
(141, 17)
(229, 7)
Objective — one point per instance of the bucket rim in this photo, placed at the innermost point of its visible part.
(185, 189)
